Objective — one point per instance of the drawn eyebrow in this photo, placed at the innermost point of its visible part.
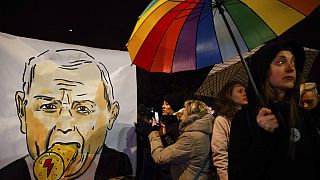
(82, 94)
(64, 89)
(66, 84)
(71, 65)
(47, 98)
(77, 82)
(68, 68)
(83, 101)
(80, 60)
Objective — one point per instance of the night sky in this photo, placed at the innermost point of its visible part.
(95, 23)
(108, 24)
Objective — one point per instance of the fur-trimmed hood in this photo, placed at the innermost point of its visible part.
(197, 122)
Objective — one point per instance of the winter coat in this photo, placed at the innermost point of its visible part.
(220, 145)
(315, 112)
(257, 154)
(189, 153)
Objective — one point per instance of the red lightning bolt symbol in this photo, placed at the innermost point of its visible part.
(49, 165)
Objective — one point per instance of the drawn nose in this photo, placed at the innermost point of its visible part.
(64, 123)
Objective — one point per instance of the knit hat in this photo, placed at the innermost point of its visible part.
(175, 101)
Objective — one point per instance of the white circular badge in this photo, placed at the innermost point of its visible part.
(294, 135)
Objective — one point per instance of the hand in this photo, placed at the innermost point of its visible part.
(267, 120)
(154, 122)
(162, 129)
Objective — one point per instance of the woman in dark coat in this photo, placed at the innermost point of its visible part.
(278, 140)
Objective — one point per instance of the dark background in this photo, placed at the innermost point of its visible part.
(108, 24)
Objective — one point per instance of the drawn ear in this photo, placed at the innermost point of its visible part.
(114, 112)
(21, 110)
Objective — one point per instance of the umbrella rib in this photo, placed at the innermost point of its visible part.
(175, 49)
(194, 7)
(164, 35)
(261, 19)
(185, 1)
(258, 95)
(196, 38)
(142, 23)
(216, 35)
(205, 15)
(237, 26)
(258, 17)
(291, 7)
(187, 15)
(144, 39)
(186, 20)
(196, 12)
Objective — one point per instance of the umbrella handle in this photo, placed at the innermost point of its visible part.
(221, 11)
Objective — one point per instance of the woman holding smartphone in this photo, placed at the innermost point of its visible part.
(189, 155)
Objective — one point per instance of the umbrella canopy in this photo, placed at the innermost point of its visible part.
(233, 70)
(177, 35)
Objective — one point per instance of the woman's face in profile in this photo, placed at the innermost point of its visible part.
(166, 109)
(282, 73)
(238, 95)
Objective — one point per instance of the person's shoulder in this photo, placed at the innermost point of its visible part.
(10, 171)
(244, 117)
(308, 117)
(115, 162)
(242, 113)
(209, 116)
(221, 118)
(107, 151)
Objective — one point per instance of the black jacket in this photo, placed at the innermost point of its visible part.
(111, 164)
(316, 114)
(257, 154)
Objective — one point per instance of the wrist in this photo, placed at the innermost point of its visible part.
(155, 128)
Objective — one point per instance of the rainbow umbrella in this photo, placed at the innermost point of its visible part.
(177, 35)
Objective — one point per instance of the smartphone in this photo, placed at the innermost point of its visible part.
(156, 116)
(150, 114)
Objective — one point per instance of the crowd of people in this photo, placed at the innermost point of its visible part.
(269, 129)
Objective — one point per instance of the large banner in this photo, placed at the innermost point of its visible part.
(67, 111)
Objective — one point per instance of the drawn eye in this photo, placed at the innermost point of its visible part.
(83, 110)
(48, 107)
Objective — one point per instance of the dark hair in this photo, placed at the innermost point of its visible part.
(270, 95)
(224, 105)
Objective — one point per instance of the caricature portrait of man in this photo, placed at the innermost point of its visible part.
(66, 109)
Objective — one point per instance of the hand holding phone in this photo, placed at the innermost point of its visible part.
(156, 116)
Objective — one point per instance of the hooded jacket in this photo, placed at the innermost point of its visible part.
(258, 154)
(189, 153)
